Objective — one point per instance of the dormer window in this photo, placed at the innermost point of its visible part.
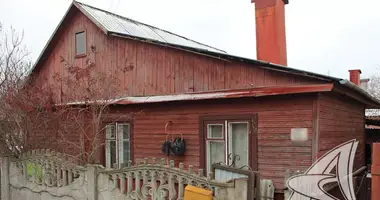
(80, 43)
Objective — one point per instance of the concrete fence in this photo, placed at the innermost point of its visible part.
(44, 174)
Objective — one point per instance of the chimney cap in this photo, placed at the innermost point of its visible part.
(364, 80)
(285, 1)
(355, 70)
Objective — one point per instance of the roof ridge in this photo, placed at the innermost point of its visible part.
(135, 21)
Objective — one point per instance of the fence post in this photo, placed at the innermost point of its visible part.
(375, 171)
(5, 178)
(92, 182)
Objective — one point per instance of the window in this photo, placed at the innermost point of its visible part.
(228, 141)
(117, 144)
(80, 43)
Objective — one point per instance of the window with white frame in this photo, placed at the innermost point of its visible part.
(117, 144)
(80, 43)
(227, 141)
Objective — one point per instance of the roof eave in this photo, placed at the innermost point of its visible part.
(104, 29)
(357, 93)
(219, 94)
(49, 41)
(74, 3)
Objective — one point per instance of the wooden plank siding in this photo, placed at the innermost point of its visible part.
(148, 69)
(145, 69)
(276, 116)
(341, 120)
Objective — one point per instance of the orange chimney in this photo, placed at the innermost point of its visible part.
(270, 31)
(355, 76)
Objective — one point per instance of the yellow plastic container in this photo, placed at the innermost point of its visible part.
(196, 193)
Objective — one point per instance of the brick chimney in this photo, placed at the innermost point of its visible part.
(355, 76)
(364, 83)
(270, 31)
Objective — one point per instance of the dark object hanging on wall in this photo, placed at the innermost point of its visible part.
(178, 147)
(166, 147)
(175, 147)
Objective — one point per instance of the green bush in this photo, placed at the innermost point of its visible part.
(34, 169)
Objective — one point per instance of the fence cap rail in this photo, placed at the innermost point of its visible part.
(158, 165)
(48, 156)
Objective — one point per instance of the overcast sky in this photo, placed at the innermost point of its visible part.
(324, 36)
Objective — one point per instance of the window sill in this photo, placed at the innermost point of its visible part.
(80, 56)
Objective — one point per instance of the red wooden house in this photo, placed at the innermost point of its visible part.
(222, 104)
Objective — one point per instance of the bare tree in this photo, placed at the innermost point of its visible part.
(374, 89)
(87, 95)
(65, 114)
(14, 64)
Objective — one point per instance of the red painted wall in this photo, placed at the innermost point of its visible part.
(276, 116)
(340, 120)
(148, 69)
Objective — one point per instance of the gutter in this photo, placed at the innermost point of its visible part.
(359, 90)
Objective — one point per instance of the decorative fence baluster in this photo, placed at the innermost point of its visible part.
(172, 190)
(122, 183)
(64, 173)
(154, 180)
(145, 177)
(180, 188)
(115, 180)
(137, 182)
(70, 175)
(59, 171)
(160, 181)
(130, 182)
(47, 168)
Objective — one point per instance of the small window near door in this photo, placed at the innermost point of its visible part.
(80, 43)
(117, 144)
(215, 144)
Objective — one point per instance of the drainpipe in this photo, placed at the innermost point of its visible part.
(375, 171)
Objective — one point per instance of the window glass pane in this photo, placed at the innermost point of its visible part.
(124, 150)
(123, 130)
(215, 131)
(126, 154)
(239, 143)
(80, 43)
(110, 131)
(215, 153)
(112, 153)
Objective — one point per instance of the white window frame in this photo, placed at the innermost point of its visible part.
(226, 139)
(78, 43)
(119, 142)
(214, 139)
(229, 127)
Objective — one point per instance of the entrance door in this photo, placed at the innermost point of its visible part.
(231, 141)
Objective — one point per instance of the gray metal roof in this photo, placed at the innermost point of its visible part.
(113, 23)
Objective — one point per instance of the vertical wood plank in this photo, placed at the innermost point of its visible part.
(140, 73)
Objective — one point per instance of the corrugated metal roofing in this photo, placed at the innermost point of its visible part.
(373, 127)
(121, 25)
(219, 94)
(374, 121)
